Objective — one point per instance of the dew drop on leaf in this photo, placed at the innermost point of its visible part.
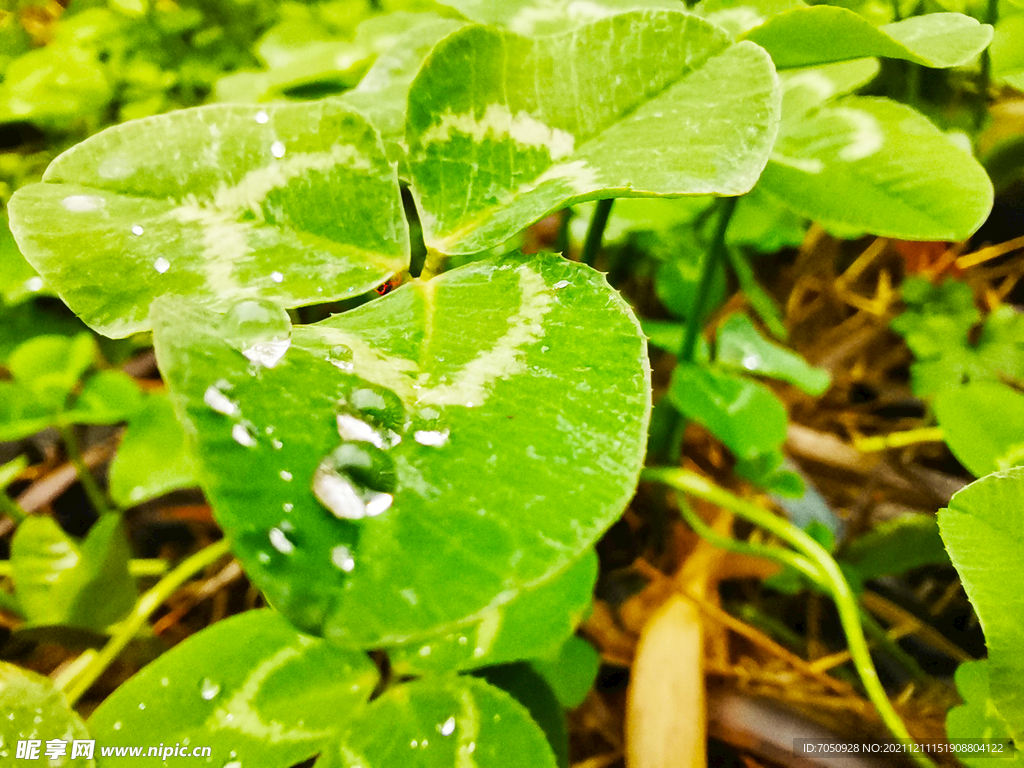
(259, 329)
(262, 117)
(285, 475)
(342, 558)
(560, 285)
(447, 728)
(208, 689)
(161, 265)
(82, 203)
(280, 542)
(277, 277)
(137, 230)
(242, 435)
(432, 437)
(277, 149)
(216, 398)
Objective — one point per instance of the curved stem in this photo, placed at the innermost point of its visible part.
(133, 623)
(595, 231)
(95, 494)
(828, 570)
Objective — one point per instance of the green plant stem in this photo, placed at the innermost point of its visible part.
(715, 256)
(128, 628)
(595, 231)
(139, 568)
(985, 74)
(97, 498)
(434, 264)
(561, 244)
(878, 634)
(899, 439)
(828, 573)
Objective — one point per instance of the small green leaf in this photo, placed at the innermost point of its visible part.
(743, 414)
(769, 471)
(981, 425)
(252, 688)
(740, 347)
(1007, 51)
(468, 370)
(153, 457)
(12, 470)
(439, 723)
(820, 34)
(983, 530)
(296, 202)
(35, 710)
(877, 166)
(534, 624)
(55, 87)
(107, 397)
(896, 546)
(976, 718)
(51, 366)
(571, 672)
(58, 581)
(533, 135)
(527, 686)
(18, 281)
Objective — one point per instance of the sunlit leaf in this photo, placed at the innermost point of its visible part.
(739, 346)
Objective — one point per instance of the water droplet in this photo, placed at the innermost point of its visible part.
(34, 284)
(280, 542)
(82, 203)
(285, 475)
(208, 689)
(161, 265)
(447, 728)
(117, 726)
(277, 149)
(287, 506)
(278, 445)
(431, 437)
(341, 556)
(351, 428)
(262, 117)
(338, 494)
(378, 405)
(560, 285)
(752, 362)
(233, 764)
(137, 230)
(142, 706)
(263, 557)
(277, 277)
(260, 329)
(165, 681)
(220, 402)
(425, 651)
(242, 435)
(341, 357)
(414, 744)
(463, 639)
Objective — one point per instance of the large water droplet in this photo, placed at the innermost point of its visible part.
(338, 494)
(260, 329)
(243, 435)
(280, 542)
(262, 117)
(220, 402)
(432, 437)
(342, 558)
(277, 277)
(137, 230)
(82, 203)
(341, 357)
(378, 405)
(277, 149)
(208, 689)
(161, 265)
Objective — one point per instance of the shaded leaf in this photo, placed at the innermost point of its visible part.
(473, 364)
(295, 201)
(252, 688)
(743, 414)
(54, 87)
(534, 136)
(153, 457)
(976, 718)
(36, 710)
(571, 672)
(58, 581)
(896, 546)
